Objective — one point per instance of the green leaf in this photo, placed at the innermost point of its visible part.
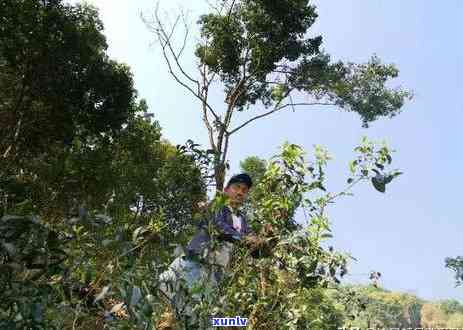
(378, 183)
(396, 174)
(388, 179)
(352, 166)
(389, 158)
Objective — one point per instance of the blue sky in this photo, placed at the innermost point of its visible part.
(407, 232)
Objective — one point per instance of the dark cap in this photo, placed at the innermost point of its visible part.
(240, 178)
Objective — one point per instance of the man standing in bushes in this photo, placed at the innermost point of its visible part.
(201, 265)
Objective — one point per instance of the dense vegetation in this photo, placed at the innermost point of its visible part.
(94, 203)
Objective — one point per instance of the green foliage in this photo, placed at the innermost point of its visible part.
(451, 306)
(260, 52)
(249, 27)
(56, 78)
(90, 195)
(94, 203)
(118, 205)
(254, 167)
(432, 316)
(377, 308)
(289, 282)
(456, 264)
(358, 88)
(372, 307)
(455, 321)
(371, 163)
(29, 251)
(261, 49)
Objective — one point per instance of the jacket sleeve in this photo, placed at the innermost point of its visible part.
(222, 226)
(246, 228)
(225, 229)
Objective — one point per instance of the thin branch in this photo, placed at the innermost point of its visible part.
(231, 99)
(209, 129)
(164, 44)
(272, 83)
(237, 92)
(171, 71)
(172, 30)
(219, 11)
(187, 31)
(209, 81)
(275, 110)
(167, 39)
(230, 10)
(283, 71)
(285, 65)
(292, 102)
(345, 191)
(225, 150)
(205, 90)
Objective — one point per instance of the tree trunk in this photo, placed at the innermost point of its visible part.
(219, 177)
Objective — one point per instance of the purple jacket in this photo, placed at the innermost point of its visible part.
(223, 223)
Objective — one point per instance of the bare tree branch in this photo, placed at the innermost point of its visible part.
(345, 191)
(171, 71)
(164, 39)
(275, 110)
(225, 150)
(283, 71)
(233, 98)
(292, 102)
(187, 31)
(239, 89)
(167, 39)
(216, 8)
(230, 10)
(205, 91)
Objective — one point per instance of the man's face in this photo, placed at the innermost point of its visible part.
(237, 192)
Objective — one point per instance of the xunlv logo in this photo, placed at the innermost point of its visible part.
(236, 321)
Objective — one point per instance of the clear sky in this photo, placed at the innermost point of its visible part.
(407, 232)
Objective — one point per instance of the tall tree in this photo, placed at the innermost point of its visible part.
(56, 80)
(86, 181)
(383, 308)
(260, 52)
(59, 92)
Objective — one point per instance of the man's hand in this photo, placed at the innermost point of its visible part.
(268, 230)
(253, 242)
(261, 245)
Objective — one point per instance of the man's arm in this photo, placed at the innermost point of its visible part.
(226, 230)
(261, 245)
